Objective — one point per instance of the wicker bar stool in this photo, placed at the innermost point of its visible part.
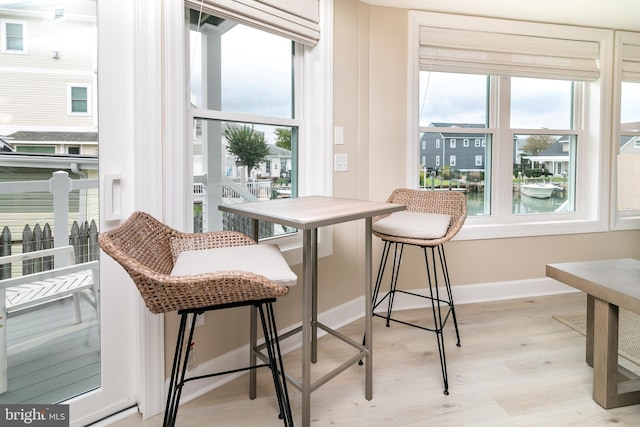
(198, 272)
(432, 218)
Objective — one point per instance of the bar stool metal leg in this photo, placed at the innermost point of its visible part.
(445, 271)
(439, 318)
(275, 363)
(178, 372)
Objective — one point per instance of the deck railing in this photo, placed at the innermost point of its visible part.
(82, 234)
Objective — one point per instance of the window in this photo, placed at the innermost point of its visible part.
(540, 158)
(42, 149)
(544, 170)
(78, 99)
(250, 116)
(532, 108)
(209, 109)
(628, 137)
(14, 36)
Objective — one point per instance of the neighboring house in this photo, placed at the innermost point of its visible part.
(555, 159)
(48, 50)
(629, 144)
(461, 151)
(465, 152)
(277, 164)
(83, 143)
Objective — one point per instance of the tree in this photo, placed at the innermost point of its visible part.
(249, 147)
(536, 144)
(283, 138)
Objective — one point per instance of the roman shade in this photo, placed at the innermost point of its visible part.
(493, 52)
(630, 56)
(297, 20)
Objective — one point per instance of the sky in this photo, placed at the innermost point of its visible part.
(462, 98)
(251, 59)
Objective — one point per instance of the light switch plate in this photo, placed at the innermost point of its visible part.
(338, 135)
(341, 163)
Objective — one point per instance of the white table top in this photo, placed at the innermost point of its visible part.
(311, 211)
(616, 281)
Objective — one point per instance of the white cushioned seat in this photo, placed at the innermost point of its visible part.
(265, 260)
(417, 225)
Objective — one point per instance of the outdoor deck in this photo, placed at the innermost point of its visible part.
(50, 358)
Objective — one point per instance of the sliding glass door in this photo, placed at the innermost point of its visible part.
(57, 341)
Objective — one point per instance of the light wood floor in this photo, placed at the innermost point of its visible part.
(517, 367)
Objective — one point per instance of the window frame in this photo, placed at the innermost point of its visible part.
(5, 48)
(620, 219)
(70, 87)
(314, 119)
(591, 209)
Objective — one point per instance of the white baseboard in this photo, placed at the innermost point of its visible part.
(353, 310)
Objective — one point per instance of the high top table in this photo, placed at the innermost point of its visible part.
(609, 285)
(308, 214)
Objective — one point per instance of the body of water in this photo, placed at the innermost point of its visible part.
(521, 204)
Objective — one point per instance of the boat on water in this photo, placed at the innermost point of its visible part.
(538, 190)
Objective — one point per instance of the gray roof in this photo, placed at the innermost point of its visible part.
(274, 150)
(54, 136)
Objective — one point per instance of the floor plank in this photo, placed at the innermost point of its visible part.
(516, 367)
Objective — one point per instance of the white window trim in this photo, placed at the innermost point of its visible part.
(315, 159)
(25, 46)
(592, 210)
(70, 111)
(627, 219)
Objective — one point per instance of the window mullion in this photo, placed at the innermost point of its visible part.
(502, 148)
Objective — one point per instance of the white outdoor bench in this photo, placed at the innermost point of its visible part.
(33, 290)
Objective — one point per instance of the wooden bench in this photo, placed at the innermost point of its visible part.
(72, 280)
(34, 290)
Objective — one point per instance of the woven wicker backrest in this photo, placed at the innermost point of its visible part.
(141, 240)
(148, 249)
(448, 202)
